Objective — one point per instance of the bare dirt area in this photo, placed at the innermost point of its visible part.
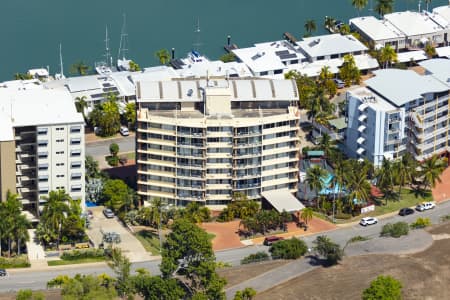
(424, 275)
(242, 273)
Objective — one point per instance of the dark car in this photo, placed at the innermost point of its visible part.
(3, 273)
(268, 241)
(406, 211)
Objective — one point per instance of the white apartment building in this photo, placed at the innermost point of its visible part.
(203, 140)
(41, 144)
(400, 111)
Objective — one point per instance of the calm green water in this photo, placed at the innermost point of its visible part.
(32, 30)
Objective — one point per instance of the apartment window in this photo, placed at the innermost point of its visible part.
(43, 190)
(43, 167)
(75, 165)
(74, 129)
(60, 188)
(59, 152)
(60, 176)
(75, 152)
(59, 164)
(75, 176)
(278, 71)
(42, 131)
(75, 141)
(59, 128)
(263, 73)
(43, 154)
(75, 188)
(60, 140)
(42, 143)
(43, 178)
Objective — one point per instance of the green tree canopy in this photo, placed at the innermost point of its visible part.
(157, 288)
(383, 288)
(79, 68)
(117, 195)
(288, 249)
(328, 249)
(163, 56)
(87, 287)
(114, 149)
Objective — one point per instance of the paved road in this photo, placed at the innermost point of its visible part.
(20, 279)
(101, 147)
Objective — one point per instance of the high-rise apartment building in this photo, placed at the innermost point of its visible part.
(41, 144)
(204, 140)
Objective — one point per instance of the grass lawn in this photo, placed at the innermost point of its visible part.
(149, 240)
(408, 199)
(129, 155)
(74, 262)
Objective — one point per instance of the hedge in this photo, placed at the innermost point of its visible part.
(14, 262)
(79, 254)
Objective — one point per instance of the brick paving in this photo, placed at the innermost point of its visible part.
(226, 236)
(441, 192)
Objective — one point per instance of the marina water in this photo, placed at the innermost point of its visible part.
(32, 30)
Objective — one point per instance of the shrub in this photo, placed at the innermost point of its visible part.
(14, 262)
(255, 257)
(79, 254)
(421, 223)
(112, 160)
(29, 295)
(383, 287)
(288, 249)
(328, 249)
(395, 230)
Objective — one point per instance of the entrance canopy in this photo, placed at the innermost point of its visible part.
(283, 200)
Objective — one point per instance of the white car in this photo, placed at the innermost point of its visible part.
(368, 221)
(124, 131)
(425, 206)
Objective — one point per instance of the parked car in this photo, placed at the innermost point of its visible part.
(124, 131)
(108, 213)
(406, 211)
(368, 221)
(425, 206)
(3, 273)
(339, 83)
(270, 240)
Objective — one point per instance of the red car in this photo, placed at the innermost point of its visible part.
(268, 241)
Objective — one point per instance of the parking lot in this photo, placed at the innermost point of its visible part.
(131, 247)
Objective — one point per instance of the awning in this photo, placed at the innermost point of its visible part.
(361, 128)
(360, 151)
(362, 118)
(283, 200)
(360, 140)
(317, 153)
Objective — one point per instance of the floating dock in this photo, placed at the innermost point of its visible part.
(230, 47)
(290, 37)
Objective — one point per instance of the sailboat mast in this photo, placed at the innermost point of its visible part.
(123, 40)
(107, 53)
(197, 31)
(61, 66)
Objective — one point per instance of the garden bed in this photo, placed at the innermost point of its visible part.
(14, 262)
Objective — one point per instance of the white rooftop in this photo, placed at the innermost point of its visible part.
(82, 83)
(376, 29)
(370, 99)
(443, 12)
(329, 44)
(403, 86)
(413, 23)
(240, 90)
(283, 200)
(416, 55)
(123, 82)
(259, 59)
(213, 68)
(32, 107)
(439, 68)
(443, 51)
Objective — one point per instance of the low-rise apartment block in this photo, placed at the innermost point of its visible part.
(41, 144)
(204, 140)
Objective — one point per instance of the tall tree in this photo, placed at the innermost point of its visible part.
(405, 171)
(117, 195)
(310, 27)
(314, 178)
(349, 72)
(387, 56)
(385, 176)
(430, 50)
(431, 170)
(330, 23)
(81, 105)
(307, 214)
(384, 7)
(359, 5)
(130, 114)
(359, 187)
(121, 266)
(163, 56)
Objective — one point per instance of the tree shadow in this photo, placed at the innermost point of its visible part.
(315, 260)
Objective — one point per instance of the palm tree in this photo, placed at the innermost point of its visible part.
(310, 26)
(339, 179)
(55, 210)
(155, 212)
(307, 214)
(163, 56)
(329, 23)
(327, 145)
(385, 176)
(431, 171)
(81, 105)
(79, 68)
(314, 178)
(405, 170)
(387, 56)
(430, 50)
(359, 5)
(21, 225)
(384, 7)
(359, 187)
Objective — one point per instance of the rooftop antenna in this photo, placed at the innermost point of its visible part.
(123, 39)
(108, 56)
(197, 31)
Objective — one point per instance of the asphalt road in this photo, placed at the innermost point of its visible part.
(101, 148)
(21, 279)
